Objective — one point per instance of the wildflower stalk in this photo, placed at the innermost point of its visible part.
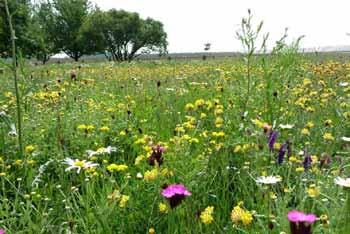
(15, 76)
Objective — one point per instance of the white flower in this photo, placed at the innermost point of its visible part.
(101, 150)
(2, 114)
(78, 164)
(13, 131)
(268, 179)
(343, 84)
(342, 182)
(286, 126)
(346, 139)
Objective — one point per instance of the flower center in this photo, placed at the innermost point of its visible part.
(79, 163)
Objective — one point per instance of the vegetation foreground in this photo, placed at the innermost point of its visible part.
(177, 147)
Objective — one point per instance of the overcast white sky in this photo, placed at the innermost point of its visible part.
(191, 23)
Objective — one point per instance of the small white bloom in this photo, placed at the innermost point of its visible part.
(342, 182)
(346, 139)
(286, 126)
(268, 179)
(13, 131)
(101, 151)
(343, 84)
(76, 164)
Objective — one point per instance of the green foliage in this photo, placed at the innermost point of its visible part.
(121, 34)
(69, 16)
(20, 11)
(42, 30)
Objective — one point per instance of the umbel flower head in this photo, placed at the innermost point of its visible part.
(156, 156)
(175, 193)
(300, 223)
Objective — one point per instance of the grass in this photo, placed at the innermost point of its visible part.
(215, 145)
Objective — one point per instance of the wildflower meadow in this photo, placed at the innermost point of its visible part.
(166, 147)
(259, 143)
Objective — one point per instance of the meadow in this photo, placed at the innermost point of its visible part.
(211, 146)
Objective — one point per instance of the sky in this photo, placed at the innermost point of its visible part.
(191, 23)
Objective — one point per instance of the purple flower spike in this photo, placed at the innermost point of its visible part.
(282, 151)
(272, 139)
(156, 156)
(307, 160)
(175, 193)
(300, 223)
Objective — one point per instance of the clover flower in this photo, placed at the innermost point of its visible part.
(175, 193)
(300, 223)
(207, 215)
(156, 156)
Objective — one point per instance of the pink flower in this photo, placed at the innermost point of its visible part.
(175, 193)
(175, 189)
(300, 223)
(2, 231)
(297, 216)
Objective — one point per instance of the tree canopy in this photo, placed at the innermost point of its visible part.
(121, 34)
(77, 28)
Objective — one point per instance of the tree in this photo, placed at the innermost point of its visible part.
(42, 32)
(20, 11)
(124, 35)
(69, 18)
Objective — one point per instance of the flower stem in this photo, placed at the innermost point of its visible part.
(15, 75)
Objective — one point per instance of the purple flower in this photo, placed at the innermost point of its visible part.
(272, 139)
(156, 156)
(300, 223)
(175, 193)
(282, 151)
(307, 160)
(2, 231)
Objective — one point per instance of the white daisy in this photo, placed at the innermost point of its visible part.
(101, 150)
(346, 139)
(342, 182)
(286, 126)
(268, 179)
(76, 164)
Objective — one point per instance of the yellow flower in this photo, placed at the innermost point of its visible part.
(151, 231)
(29, 149)
(207, 215)
(313, 191)
(189, 106)
(163, 208)
(114, 167)
(199, 103)
(239, 214)
(218, 122)
(151, 175)
(300, 169)
(123, 200)
(305, 131)
(104, 129)
(237, 148)
(328, 137)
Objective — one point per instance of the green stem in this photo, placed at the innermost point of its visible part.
(15, 74)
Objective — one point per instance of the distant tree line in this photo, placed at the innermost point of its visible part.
(77, 28)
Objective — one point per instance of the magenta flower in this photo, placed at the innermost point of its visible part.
(2, 231)
(300, 223)
(175, 193)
